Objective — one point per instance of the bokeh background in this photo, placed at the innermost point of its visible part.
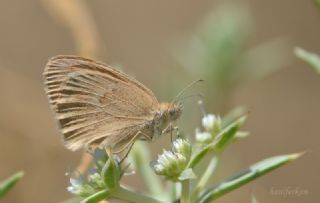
(243, 50)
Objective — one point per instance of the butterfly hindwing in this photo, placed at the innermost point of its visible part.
(95, 103)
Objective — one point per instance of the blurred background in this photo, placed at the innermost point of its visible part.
(242, 49)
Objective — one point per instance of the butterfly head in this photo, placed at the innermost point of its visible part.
(171, 111)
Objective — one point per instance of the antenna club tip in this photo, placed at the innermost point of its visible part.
(200, 102)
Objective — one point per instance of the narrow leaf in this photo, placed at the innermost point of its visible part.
(229, 132)
(7, 184)
(187, 174)
(246, 176)
(264, 59)
(312, 59)
(232, 115)
(205, 177)
(97, 197)
(318, 4)
(111, 173)
(222, 139)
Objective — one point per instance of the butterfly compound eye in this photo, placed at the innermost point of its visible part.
(172, 111)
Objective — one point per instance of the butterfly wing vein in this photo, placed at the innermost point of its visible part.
(94, 103)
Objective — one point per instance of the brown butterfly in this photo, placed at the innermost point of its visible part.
(96, 104)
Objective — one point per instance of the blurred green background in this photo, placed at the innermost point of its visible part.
(242, 49)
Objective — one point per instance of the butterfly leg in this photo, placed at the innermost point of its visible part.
(176, 129)
(170, 129)
(128, 146)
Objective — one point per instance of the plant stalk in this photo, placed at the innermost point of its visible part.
(185, 191)
(132, 196)
(205, 178)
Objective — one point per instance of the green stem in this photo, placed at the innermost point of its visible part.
(245, 176)
(151, 180)
(132, 196)
(141, 159)
(173, 192)
(205, 178)
(185, 191)
(97, 197)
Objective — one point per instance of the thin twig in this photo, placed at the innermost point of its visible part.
(76, 17)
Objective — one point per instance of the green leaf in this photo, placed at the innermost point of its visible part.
(196, 158)
(7, 184)
(205, 178)
(220, 141)
(215, 50)
(264, 59)
(228, 133)
(312, 59)
(187, 174)
(225, 28)
(246, 176)
(240, 135)
(233, 115)
(317, 3)
(97, 197)
(111, 173)
(124, 193)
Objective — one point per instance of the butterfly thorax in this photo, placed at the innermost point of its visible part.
(165, 115)
(169, 111)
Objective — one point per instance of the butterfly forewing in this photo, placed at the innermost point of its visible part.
(95, 103)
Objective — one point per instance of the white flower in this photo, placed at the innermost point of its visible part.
(208, 121)
(171, 163)
(182, 146)
(203, 136)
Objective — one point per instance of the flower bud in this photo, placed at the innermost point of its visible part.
(212, 123)
(208, 121)
(79, 187)
(203, 137)
(183, 147)
(172, 163)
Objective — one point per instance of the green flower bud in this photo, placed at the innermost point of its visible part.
(208, 121)
(96, 181)
(212, 123)
(203, 137)
(104, 176)
(182, 147)
(216, 127)
(79, 187)
(171, 164)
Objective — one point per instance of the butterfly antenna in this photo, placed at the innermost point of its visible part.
(184, 89)
(200, 96)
